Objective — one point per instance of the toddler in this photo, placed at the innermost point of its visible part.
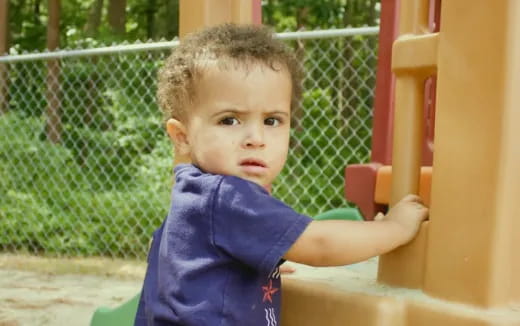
(228, 93)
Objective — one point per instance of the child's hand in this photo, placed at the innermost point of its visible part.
(286, 269)
(407, 215)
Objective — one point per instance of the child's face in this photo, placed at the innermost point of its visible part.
(239, 125)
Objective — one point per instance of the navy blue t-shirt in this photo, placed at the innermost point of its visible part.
(215, 259)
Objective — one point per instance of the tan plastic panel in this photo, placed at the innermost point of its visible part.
(195, 14)
(474, 235)
(311, 303)
(507, 237)
(405, 266)
(307, 302)
(415, 54)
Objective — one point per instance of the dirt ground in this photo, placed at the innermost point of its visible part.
(38, 291)
(41, 291)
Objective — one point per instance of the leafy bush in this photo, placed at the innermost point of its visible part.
(312, 180)
(105, 187)
(50, 202)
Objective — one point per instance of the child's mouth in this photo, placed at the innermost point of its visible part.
(253, 166)
(253, 162)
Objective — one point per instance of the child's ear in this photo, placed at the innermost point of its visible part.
(178, 136)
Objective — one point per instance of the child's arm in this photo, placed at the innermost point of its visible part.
(339, 242)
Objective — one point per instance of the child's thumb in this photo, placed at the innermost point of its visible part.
(379, 217)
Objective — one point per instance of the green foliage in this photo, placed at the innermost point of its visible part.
(157, 19)
(313, 179)
(53, 204)
(144, 19)
(105, 187)
(290, 15)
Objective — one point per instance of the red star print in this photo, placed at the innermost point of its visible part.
(269, 291)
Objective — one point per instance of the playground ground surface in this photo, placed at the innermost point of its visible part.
(37, 291)
(41, 291)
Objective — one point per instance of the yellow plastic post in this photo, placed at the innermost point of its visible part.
(414, 58)
(195, 14)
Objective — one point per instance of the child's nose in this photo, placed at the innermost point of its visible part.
(254, 137)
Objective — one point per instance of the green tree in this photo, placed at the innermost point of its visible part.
(309, 14)
(104, 22)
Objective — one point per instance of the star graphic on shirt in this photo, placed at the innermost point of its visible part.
(269, 290)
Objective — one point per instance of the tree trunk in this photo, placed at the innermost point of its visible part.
(36, 11)
(301, 17)
(269, 19)
(117, 16)
(4, 47)
(150, 18)
(172, 19)
(53, 127)
(4, 26)
(357, 13)
(348, 98)
(372, 41)
(372, 13)
(94, 18)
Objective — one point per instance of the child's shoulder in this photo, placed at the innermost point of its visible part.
(192, 174)
(221, 193)
(237, 182)
(227, 183)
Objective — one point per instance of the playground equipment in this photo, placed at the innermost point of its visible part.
(369, 185)
(462, 268)
(462, 264)
(123, 315)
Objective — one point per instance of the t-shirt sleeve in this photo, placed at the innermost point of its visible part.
(253, 227)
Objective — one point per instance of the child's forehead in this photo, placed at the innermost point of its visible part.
(242, 85)
(216, 74)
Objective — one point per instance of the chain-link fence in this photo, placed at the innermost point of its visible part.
(85, 164)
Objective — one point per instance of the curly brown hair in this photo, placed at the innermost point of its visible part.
(244, 44)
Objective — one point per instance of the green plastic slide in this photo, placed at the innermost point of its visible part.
(123, 315)
(346, 213)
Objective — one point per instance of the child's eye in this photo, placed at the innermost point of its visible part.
(229, 121)
(272, 122)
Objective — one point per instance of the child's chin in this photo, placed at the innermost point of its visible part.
(266, 185)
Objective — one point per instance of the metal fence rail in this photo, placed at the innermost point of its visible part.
(102, 185)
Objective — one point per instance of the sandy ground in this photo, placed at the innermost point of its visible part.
(42, 291)
(37, 291)
(30, 298)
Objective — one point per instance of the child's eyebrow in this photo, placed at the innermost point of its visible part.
(226, 111)
(279, 113)
(239, 112)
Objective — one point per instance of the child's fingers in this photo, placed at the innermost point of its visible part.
(413, 199)
(425, 213)
(379, 216)
(285, 269)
